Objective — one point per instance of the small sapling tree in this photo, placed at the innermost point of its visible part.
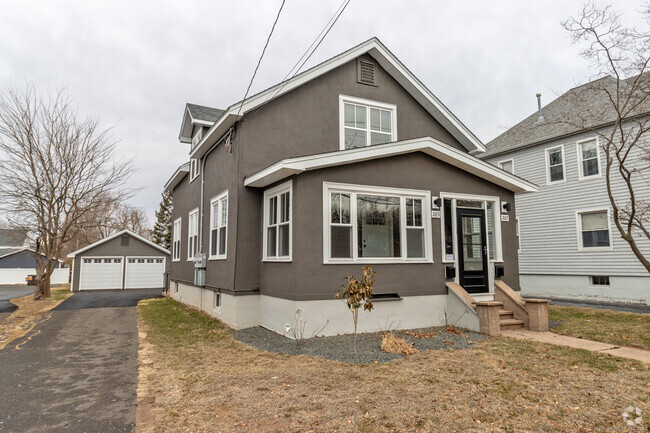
(358, 295)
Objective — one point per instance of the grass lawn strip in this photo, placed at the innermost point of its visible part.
(203, 380)
(29, 314)
(613, 327)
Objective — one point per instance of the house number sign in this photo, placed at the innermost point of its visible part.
(505, 218)
(435, 214)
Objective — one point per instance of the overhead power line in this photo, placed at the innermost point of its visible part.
(261, 57)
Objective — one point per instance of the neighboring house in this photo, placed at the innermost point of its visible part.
(353, 162)
(17, 260)
(569, 245)
(123, 260)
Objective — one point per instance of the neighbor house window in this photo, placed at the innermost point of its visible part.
(176, 240)
(588, 158)
(594, 229)
(364, 123)
(277, 223)
(517, 234)
(193, 234)
(507, 166)
(374, 224)
(218, 226)
(555, 164)
(195, 168)
(599, 280)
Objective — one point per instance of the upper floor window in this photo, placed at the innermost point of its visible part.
(218, 226)
(507, 165)
(195, 168)
(277, 223)
(176, 240)
(589, 158)
(555, 164)
(593, 227)
(193, 234)
(364, 122)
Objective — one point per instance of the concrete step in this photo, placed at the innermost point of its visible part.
(506, 314)
(509, 324)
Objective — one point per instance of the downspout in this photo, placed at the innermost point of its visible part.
(203, 159)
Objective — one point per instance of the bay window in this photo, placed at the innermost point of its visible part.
(366, 123)
(218, 226)
(370, 224)
(277, 223)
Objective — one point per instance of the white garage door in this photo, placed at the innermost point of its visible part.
(144, 272)
(101, 273)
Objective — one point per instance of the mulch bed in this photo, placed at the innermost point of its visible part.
(341, 347)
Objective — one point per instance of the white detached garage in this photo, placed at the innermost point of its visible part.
(124, 260)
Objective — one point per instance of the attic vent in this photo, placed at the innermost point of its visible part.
(125, 240)
(367, 72)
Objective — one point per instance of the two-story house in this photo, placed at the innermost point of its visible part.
(349, 163)
(569, 246)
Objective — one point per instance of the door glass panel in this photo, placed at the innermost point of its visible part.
(472, 248)
(469, 203)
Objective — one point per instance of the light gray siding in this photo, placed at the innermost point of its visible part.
(549, 232)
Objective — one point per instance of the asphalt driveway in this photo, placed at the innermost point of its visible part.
(77, 370)
(11, 292)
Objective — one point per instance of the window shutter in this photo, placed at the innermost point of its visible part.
(366, 72)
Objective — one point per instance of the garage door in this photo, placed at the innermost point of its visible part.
(144, 272)
(101, 273)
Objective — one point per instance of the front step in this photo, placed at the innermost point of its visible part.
(510, 324)
(506, 314)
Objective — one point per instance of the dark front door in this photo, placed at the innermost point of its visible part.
(472, 254)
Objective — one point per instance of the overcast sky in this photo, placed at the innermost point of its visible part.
(134, 64)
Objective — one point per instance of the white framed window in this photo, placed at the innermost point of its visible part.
(218, 226)
(490, 204)
(176, 240)
(555, 165)
(277, 223)
(508, 165)
(193, 234)
(195, 168)
(594, 230)
(364, 122)
(588, 158)
(367, 224)
(217, 300)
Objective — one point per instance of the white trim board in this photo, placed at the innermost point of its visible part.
(113, 236)
(428, 145)
(178, 175)
(386, 60)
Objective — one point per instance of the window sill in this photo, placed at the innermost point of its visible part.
(176, 260)
(556, 182)
(271, 260)
(376, 261)
(588, 249)
(212, 258)
(593, 176)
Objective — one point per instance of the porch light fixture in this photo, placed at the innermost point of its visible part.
(506, 206)
(450, 272)
(437, 202)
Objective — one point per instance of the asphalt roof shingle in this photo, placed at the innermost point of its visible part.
(200, 112)
(11, 238)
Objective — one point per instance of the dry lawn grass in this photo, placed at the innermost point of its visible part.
(200, 379)
(29, 314)
(392, 344)
(613, 327)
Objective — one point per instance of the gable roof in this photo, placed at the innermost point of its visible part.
(581, 108)
(178, 175)
(196, 115)
(118, 234)
(427, 145)
(12, 238)
(6, 252)
(386, 60)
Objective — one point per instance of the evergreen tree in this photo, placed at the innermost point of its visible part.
(162, 228)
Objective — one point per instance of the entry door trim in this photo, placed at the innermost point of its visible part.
(477, 213)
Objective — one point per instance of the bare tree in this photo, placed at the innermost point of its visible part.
(57, 168)
(620, 55)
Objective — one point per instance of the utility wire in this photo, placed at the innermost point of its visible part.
(260, 60)
(319, 39)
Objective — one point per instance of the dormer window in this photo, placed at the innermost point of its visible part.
(195, 168)
(365, 122)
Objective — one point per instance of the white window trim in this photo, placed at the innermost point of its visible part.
(369, 104)
(195, 168)
(178, 232)
(344, 188)
(190, 255)
(498, 247)
(518, 233)
(547, 164)
(579, 228)
(507, 160)
(214, 200)
(599, 286)
(278, 190)
(581, 175)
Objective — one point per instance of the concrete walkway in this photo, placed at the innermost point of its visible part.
(580, 343)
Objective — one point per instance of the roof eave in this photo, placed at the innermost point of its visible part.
(177, 177)
(113, 236)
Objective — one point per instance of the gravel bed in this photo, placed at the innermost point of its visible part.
(340, 347)
(554, 323)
